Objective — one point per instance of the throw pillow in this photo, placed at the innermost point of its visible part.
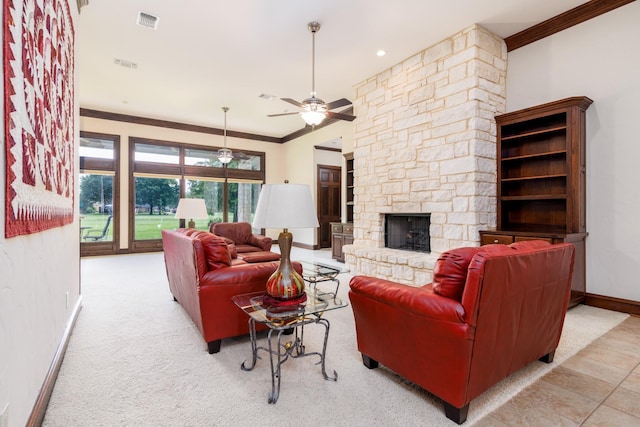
(216, 251)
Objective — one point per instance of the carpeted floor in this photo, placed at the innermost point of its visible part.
(136, 359)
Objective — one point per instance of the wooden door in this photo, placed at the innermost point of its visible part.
(329, 201)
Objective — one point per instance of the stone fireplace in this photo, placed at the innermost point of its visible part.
(424, 142)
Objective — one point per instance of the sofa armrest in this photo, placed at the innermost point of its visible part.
(263, 242)
(421, 301)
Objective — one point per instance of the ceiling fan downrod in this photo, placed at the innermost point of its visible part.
(314, 27)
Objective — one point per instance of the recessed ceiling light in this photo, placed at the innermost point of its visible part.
(381, 53)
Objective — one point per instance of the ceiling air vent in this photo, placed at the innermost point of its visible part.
(126, 64)
(147, 20)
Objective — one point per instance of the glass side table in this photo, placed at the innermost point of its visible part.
(283, 319)
(315, 272)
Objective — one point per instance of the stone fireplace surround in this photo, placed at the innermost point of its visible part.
(425, 142)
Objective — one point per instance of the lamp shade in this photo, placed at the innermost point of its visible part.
(192, 209)
(285, 206)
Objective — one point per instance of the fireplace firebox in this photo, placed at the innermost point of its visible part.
(407, 231)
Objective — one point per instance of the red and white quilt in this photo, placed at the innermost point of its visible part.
(38, 59)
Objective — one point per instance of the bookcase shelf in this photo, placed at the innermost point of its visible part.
(350, 186)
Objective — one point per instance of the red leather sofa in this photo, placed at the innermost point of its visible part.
(203, 276)
(489, 312)
(241, 235)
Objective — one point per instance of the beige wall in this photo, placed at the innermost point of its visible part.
(39, 290)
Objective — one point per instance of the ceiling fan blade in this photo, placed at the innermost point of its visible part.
(293, 101)
(239, 155)
(338, 103)
(281, 114)
(340, 116)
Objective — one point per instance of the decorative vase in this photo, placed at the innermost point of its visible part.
(285, 284)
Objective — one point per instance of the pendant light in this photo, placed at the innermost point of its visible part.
(224, 154)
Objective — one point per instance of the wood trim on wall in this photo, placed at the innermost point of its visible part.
(84, 112)
(311, 247)
(42, 401)
(611, 303)
(320, 147)
(563, 21)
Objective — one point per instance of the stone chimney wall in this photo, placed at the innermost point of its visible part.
(425, 142)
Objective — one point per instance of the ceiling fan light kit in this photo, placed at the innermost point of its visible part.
(315, 109)
(313, 117)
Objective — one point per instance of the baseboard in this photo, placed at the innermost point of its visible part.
(306, 246)
(302, 245)
(611, 303)
(40, 407)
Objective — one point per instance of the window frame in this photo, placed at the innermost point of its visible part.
(105, 165)
(182, 172)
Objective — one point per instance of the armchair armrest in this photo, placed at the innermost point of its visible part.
(263, 242)
(421, 301)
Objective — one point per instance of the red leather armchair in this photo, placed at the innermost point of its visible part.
(242, 236)
(203, 277)
(489, 312)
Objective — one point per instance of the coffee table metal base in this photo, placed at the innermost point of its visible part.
(293, 347)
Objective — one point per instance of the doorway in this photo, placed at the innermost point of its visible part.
(329, 201)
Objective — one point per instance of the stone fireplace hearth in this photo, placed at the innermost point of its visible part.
(424, 142)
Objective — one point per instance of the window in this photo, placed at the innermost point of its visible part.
(155, 200)
(163, 172)
(97, 199)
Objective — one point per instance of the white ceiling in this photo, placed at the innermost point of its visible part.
(206, 54)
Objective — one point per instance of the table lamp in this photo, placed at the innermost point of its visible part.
(191, 209)
(285, 206)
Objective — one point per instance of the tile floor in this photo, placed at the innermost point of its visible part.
(599, 386)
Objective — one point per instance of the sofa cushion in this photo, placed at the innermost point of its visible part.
(450, 272)
(238, 232)
(262, 256)
(215, 249)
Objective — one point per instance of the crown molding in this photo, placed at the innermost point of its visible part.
(565, 20)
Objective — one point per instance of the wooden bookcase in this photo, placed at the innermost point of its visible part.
(349, 172)
(541, 179)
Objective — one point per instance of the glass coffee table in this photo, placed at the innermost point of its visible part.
(287, 322)
(315, 272)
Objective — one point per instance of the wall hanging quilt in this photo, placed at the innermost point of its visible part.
(38, 60)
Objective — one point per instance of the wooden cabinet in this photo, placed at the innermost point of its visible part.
(341, 234)
(349, 173)
(541, 179)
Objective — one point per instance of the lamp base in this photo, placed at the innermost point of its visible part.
(191, 224)
(285, 283)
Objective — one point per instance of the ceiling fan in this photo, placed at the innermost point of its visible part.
(225, 155)
(315, 109)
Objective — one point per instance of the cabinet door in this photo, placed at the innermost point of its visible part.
(336, 246)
